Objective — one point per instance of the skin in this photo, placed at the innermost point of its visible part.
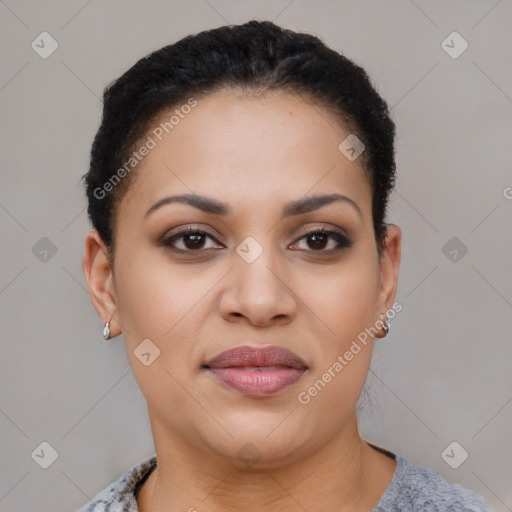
(255, 154)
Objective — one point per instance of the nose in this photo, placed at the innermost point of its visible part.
(258, 293)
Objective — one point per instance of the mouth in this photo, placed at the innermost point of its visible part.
(257, 371)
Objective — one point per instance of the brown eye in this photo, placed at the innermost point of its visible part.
(321, 240)
(318, 240)
(194, 242)
(189, 240)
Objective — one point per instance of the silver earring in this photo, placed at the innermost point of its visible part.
(107, 335)
(386, 326)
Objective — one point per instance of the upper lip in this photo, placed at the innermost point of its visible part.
(256, 356)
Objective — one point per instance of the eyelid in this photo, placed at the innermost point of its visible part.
(184, 231)
(327, 227)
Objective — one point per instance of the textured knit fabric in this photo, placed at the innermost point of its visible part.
(412, 489)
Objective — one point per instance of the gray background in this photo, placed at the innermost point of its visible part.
(442, 375)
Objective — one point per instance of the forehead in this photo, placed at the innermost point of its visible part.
(249, 150)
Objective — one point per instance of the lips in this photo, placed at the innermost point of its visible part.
(257, 371)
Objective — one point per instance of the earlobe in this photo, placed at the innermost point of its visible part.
(98, 275)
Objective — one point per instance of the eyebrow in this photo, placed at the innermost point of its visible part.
(213, 206)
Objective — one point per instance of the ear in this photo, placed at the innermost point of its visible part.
(98, 275)
(389, 268)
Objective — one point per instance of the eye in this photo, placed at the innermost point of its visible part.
(320, 240)
(188, 240)
(324, 241)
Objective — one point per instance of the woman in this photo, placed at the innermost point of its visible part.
(238, 189)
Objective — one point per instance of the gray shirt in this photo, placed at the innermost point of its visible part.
(413, 488)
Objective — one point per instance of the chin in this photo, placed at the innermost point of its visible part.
(259, 441)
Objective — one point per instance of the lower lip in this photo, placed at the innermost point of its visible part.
(257, 383)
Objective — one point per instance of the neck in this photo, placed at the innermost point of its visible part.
(343, 474)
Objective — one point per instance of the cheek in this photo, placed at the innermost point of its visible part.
(344, 301)
(156, 302)
(166, 304)
(346, 305)
(154, 296)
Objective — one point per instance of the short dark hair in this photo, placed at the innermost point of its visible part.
(257, 56)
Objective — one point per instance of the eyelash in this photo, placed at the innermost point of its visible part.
(342, 241)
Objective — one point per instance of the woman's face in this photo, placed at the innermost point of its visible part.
(254, 278)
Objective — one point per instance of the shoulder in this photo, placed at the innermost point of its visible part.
(414, 488)
(120, 495)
